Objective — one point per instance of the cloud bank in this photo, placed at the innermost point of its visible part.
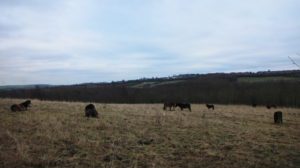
(76, 41)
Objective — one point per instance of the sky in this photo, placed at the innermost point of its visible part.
(79, 41)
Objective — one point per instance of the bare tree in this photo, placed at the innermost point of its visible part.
(294, 62)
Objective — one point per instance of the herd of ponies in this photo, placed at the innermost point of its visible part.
(90, 109)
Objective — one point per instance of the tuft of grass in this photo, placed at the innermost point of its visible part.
(56, 134)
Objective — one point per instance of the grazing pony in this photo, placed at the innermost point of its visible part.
(184, 105)
(90, 111)
(21, 107)
(210, 106)
(169, 105)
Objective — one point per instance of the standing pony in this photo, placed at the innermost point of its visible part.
(210, 106)
(184, 105)
(171, 106)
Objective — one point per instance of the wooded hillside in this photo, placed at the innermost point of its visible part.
(271, 87)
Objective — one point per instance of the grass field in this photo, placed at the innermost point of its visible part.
(268, 79)
(56, 134)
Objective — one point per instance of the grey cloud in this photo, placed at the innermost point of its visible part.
(26, 3)
(105, 40)
(8, 30)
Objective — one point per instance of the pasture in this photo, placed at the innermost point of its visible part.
(57, 134)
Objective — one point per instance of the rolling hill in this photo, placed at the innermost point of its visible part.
(269, 87)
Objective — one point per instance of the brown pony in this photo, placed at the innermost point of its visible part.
(21, 107)
(169, 105)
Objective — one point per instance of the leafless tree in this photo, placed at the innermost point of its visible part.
(294, 62)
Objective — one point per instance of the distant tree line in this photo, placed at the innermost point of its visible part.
(212, 88)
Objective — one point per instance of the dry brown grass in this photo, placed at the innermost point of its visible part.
(56, 134)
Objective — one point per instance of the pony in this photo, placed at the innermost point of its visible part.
(20, 107)
(278, 117)
(210, 106)
(169, 105)
(90, 111)
(184, 105)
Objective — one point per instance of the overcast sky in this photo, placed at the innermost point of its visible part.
(77, 41)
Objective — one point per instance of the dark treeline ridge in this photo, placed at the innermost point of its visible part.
(270, 87)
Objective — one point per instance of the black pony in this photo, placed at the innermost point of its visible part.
(169, 105)
(184, 105)
(278, 117)
(90, 111)
(210, 106)
(21, 107)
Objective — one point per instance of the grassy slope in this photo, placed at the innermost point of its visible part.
(267, 79)
(154, 84)
(56, 134)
